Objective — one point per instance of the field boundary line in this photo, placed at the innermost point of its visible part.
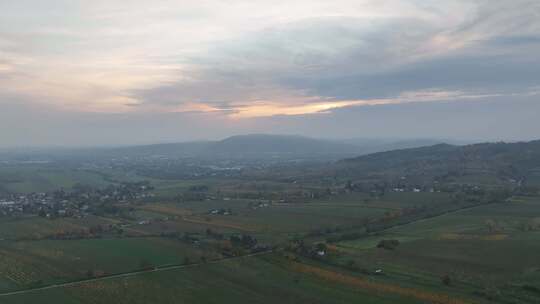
(130, 274)
(434, 216)
(222, 225)
(377, 287)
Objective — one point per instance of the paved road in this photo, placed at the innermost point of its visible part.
(129, 274)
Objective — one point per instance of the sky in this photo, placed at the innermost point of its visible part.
(111, 72)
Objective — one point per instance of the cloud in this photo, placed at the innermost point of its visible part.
(316, 60)
(239, 66)
(280, 64)
(485, 118)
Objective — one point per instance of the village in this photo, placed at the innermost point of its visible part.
(79, 202)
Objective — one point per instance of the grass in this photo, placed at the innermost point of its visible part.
(59, 261)
(479, 258)
(38, 227)
(274, 223)
(249, 280)
(484, 249)
(27, 179)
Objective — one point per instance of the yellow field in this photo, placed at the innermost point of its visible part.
(166, 209)
(220, 223)
(377, 287)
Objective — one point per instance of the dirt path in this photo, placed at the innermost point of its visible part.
(128, 274)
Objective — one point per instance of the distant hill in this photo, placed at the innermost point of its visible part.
(284, 146)
(369, 146)
(502, 161)
(257, 144)
(276, 146)
(253, 146)
(185, 149)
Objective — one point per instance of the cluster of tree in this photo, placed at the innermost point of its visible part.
(243, 240)
(241, 244)
(95, 231)
(314, 251)
(95, 273)
(198, 188)
(530, 225)
(388, 244)
(146, 265)
(213, 234)
(446, 280)
(192, 196)
(190, 238)
(527, 191)
(345, 237)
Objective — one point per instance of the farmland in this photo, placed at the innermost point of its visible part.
(456, 243)
(257, 280)
(96, 233)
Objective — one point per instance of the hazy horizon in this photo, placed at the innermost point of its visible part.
(352, 141)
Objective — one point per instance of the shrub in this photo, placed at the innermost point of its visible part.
(388, 244)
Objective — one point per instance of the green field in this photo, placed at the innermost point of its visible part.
(248, 280)
(488, 251)
(37, 227)
(27, 179)
(35, 263)
(482, 248)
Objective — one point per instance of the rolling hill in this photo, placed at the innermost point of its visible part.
(502, 161)
(258, 144)
(253, 146)
(273, 146)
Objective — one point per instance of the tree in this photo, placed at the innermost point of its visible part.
(388, 244)
(446, 280)
(146, 265)
(349, 186)
(491, 226)
(321, 247)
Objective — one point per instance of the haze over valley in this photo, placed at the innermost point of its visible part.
(269, 152)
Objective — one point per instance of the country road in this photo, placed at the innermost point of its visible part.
(129, 274)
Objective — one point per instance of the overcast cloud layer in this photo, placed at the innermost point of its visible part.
(133, 71)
